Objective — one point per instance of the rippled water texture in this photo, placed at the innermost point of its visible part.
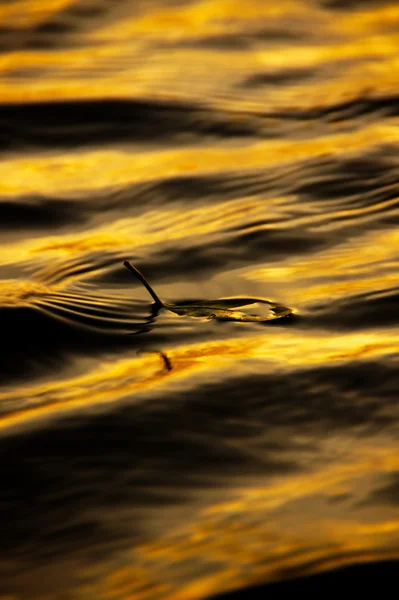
(226, 148)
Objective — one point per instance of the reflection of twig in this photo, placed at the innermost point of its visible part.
(145, 327)
(154, 311)
(166, 360)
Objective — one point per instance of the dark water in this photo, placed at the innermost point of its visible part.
(226, 148)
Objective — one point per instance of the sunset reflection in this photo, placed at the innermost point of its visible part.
(227, 149)
(263, 530)
(144, 50)
(99, 169)
(191, 365)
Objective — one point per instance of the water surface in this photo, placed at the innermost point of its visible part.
(226, 148)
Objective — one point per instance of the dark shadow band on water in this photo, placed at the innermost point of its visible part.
(365, 578)
(90, 122)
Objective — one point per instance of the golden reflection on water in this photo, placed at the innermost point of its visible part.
(368, 265)
(145, 52)
(98, 169)
(263, 532)
(136, 377)
(32, 13)
(264, 528)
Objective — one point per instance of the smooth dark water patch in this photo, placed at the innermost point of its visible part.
(365, 577)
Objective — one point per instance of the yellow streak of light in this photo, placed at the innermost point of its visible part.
(157, 72)
(206, 17)
(368, 264)
(368, 21)
(17, 292)
(123, 235)
(251, 539)
(96, 169)
(365, 460)
(31, 13)
(228, 534)
(111, 382)
(74, 58)
(336, 289)
(313, 56)
(159, 76)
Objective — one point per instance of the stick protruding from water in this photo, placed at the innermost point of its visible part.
(143, 280)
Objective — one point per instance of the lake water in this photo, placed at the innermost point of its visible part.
(226, 148)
